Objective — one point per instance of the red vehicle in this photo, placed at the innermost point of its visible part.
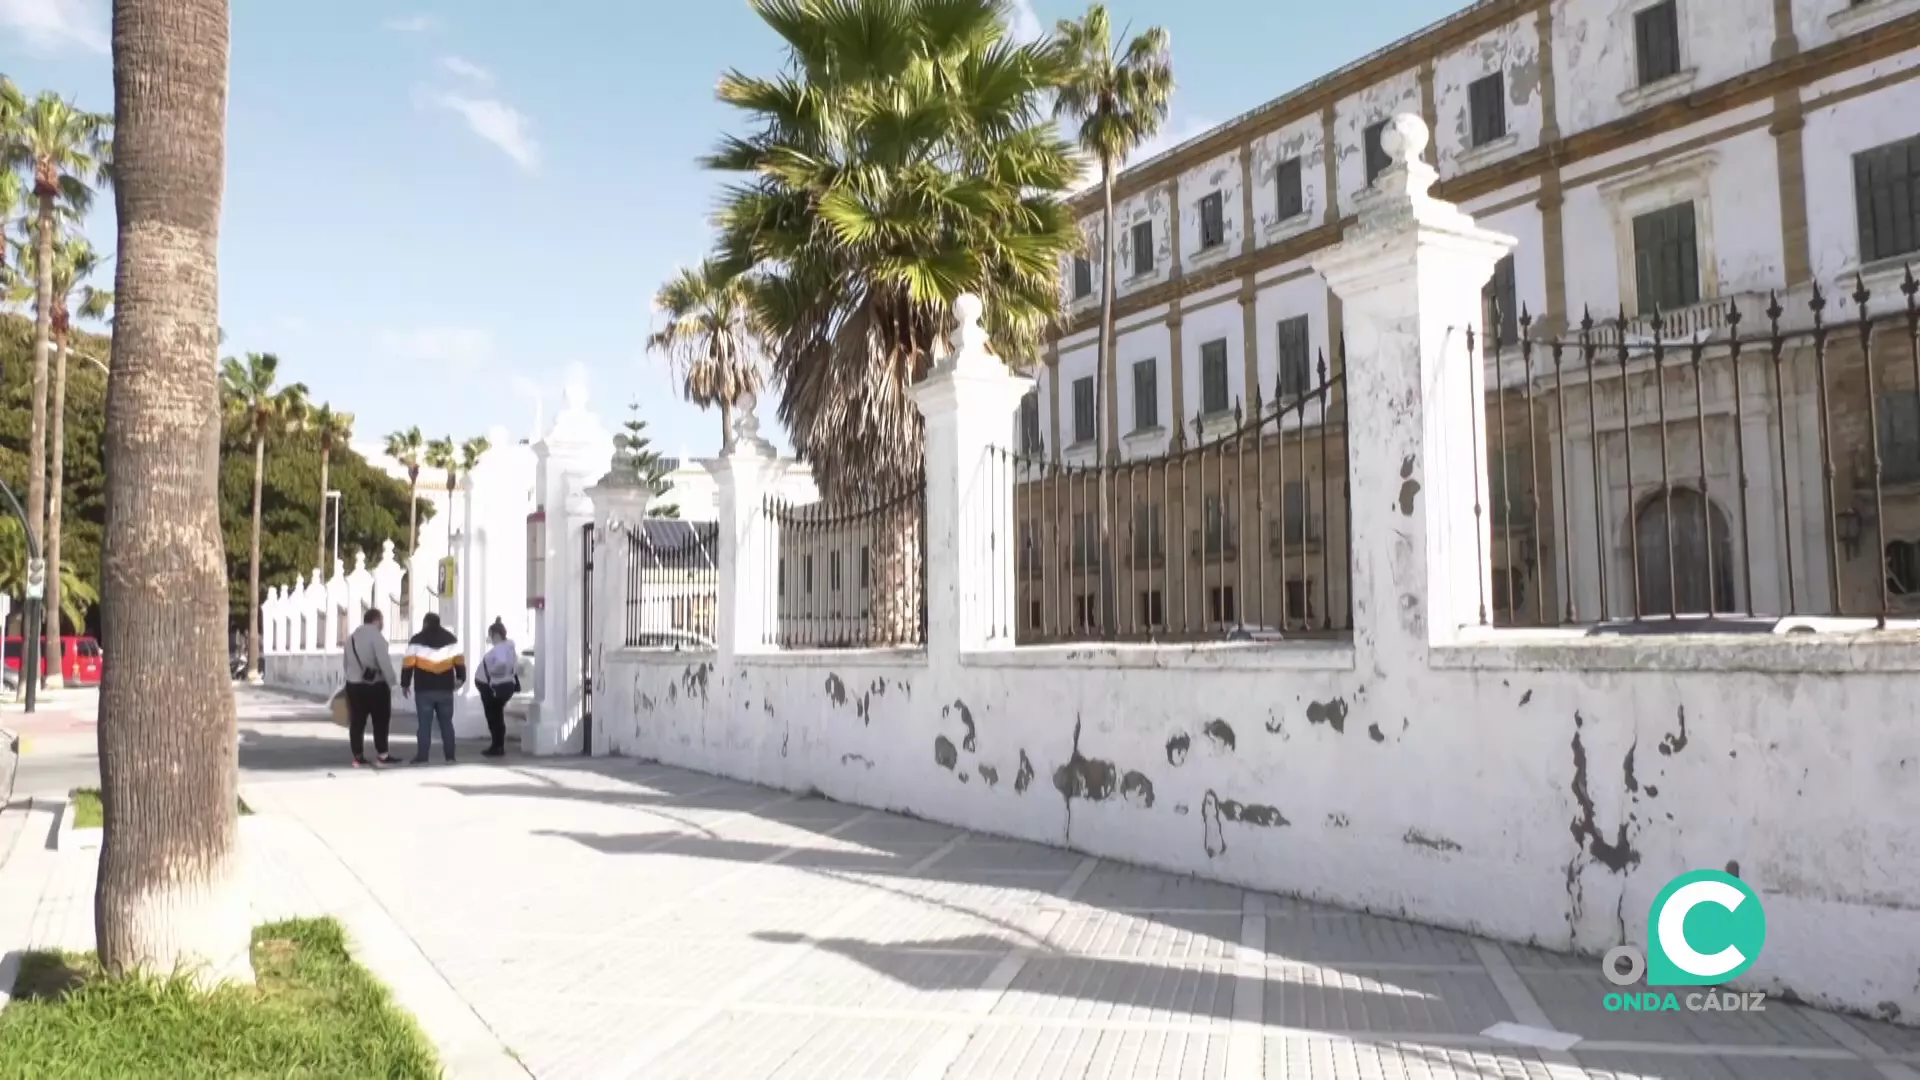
(80, 660)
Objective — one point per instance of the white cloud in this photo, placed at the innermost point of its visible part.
(454, 348)
(51, 25)
(495, 121)
(1026, 24)
(413, 24)
(466, 69)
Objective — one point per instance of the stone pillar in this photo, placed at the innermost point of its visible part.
(359, 591)
(966, 400)
(387, 585)
(749, 571)
(620, 501)
(1409, 275)
(270, 622)
(573, 454)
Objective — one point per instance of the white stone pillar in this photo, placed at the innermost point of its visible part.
(387, 585)
(744, 475)
(334, 634)
(573, 454)
(270, 622)
(359, 591)
(620, 502)
(967, 399)
(1409, 276)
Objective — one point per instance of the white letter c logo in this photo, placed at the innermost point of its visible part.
(1673, 923)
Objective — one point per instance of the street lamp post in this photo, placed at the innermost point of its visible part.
(335, 499)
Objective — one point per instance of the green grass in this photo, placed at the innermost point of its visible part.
(312, 1012)
(89, 814)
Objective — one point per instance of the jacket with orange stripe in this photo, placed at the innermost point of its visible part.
(433, 662)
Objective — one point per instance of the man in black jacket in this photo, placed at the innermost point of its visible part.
(431, 671)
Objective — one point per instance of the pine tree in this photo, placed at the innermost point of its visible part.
(644, 463)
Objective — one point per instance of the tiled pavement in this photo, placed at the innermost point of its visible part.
(615, 919)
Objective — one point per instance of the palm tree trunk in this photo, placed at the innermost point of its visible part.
(1108, 374)
(170, 893)
(253, 566)
(726, 426)
(413, 540)
(42, 338)
(56, 480)
(321, 559)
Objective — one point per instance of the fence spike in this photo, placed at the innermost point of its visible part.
(1322, 372)
(1818, 304)
(1236, 412)
(1526, 318)
(1586, 320)
(1733, 315)
(1910, 286)
(1861, 294)
(1774, 310)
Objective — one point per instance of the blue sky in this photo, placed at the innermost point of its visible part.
(434, 209)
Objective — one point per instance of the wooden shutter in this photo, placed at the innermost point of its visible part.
(1286, 178)
(1143, 248)
(1296, 371)
(1487, 106)
(1146, 395)
(1656, 41)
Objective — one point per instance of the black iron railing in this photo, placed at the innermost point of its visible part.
(673, 584)
(850, 575)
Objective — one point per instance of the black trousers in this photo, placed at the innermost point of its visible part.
(368, 701)
(495, 706)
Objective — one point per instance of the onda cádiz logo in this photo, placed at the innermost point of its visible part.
(1706, 928)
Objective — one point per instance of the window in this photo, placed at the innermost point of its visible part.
(1149, 542)
(1146, 395)
(1292, 198)
(1082, 277)
(1083, 410)
(1886, 199)
(1296, 366)
(1296, 506)
(1213, 377)
(1900, 436)
(1213, 222)
(1487, 108)
(1509, 487)
(1500, 319)
(1666, 259)
(1033, 614)
(1086, 542)
(1656, 41)
(1509, 591)
(866, 567)
(1299, 600)
(1220, 604)
(1221, 528)
(1143, 248)
(833, 571)
(1029, 549)
(1152, 611)
(1030, 423)
(1083, 611)
(1377, 159)
(806, 574)
(1903, 568)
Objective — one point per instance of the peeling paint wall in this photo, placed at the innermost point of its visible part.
(1514, 52)
(1222, 176)
(1352, 117)
(1595, 65)
(1151, 208)
(1305, 140)
(1537, 802)
(1832, 137)
(1152, 342)
(1817, 22)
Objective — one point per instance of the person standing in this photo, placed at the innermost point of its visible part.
(430, 672)
(498, 678)
(370, 679)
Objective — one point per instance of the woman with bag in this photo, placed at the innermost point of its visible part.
(368, 663)
(498, 679)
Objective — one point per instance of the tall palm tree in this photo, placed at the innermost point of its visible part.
(65, 150)
(267, 410)
(1119, 98)
(334, 429)
(710, 338)
(407, 448)
(12, 195)
(902, 158)
(170, 893)
(442, 455)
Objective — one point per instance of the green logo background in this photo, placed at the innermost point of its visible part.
(1709, 928)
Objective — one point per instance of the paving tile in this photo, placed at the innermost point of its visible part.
(1011, 855)
(1602, 1065)
(1119, 990)
(1574, 1002)
(1046, 1053)
(1406, 1003)
(1117, 886)
(843, 975)
(1364, 938)
(1317, 1058)
(1178, 937)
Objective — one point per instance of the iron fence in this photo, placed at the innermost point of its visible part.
(1685, 471)
(673, 584)
(850, 575)
(1241, 536)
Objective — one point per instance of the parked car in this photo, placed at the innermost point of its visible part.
(1255, 633)
(80, 659)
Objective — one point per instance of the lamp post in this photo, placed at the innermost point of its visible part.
(334, 499)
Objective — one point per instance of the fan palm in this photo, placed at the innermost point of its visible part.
(334, 429)
(1119, 98)
(902, 158)
(407, 448)
(443, 455)
(252, 397)
(710, 338)
(12, 196)
(65, 150)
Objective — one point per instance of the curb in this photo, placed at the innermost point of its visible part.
(68, 838)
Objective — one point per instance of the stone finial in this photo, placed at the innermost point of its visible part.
(1405, 137)
(359, 562)
(386, 551)
(968, 347)
(746, 429)
(339, 569)
(1400, 194)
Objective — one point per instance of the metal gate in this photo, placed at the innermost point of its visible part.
(588, 645)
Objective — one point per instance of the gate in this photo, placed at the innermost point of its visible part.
(588, 645)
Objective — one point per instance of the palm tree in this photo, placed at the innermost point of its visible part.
(441, 454)
(334, 429)
(710, 338)
(406, 447)
(64, 149)
(1119, 98)
(75, 595)
(170, 894)
(12, 104)
(254, 398)
(903, 158)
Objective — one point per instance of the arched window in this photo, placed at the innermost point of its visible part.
(1677, 581)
